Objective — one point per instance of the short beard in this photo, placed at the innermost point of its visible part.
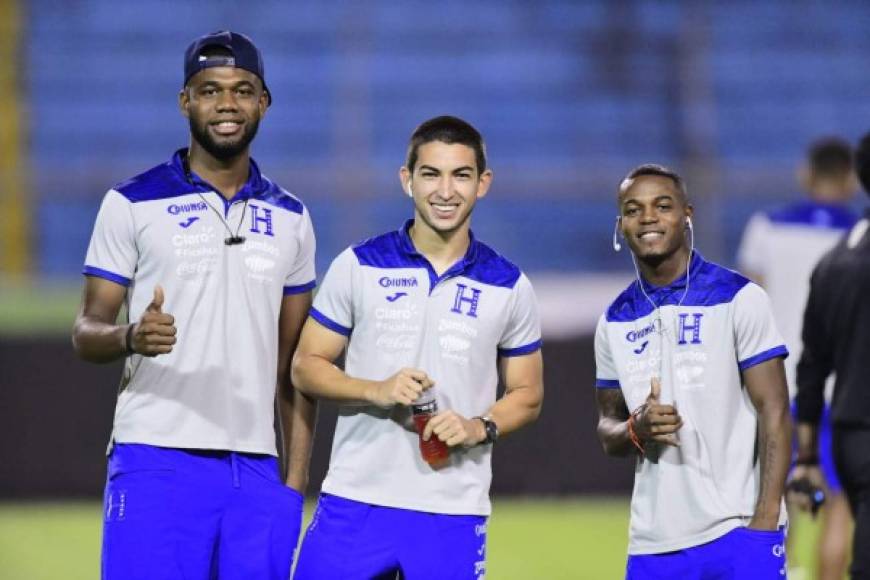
(221, 151)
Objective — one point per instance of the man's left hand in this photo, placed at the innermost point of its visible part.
(454, 429)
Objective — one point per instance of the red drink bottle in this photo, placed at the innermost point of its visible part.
(434, 451)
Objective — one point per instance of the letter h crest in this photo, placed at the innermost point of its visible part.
(471, 299)
(694, 328)
(257, 220)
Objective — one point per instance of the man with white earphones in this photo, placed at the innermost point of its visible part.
(690, 380)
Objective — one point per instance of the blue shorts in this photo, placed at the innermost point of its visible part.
(350, 540)
(172, 514)
(741, 554)
(826, 453)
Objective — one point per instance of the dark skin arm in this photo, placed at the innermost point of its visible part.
(98, 338)
(297, 412)
(766, 386)
(613, 422)
(654, 422)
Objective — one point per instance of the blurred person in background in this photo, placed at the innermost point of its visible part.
(836, 335)
(427, 315)
(779, 250)
(215, 265)
(690, 381)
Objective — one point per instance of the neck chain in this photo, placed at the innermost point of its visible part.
(234, 239)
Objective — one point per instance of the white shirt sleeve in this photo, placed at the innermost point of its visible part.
(301, 276)
(606, 376)
(756, 336)
(112, 253)
(333, 304)
(522, 335)
(751, 255)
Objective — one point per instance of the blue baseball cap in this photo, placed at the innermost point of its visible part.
(242, 54)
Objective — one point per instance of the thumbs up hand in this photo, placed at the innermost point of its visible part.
(154, 334)
(657, 422)
(156, 302)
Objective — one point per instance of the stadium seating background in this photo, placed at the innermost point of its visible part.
(570, 96)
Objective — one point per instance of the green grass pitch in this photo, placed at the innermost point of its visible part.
(529, 539)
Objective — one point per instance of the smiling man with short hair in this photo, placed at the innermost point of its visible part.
(215, 265)
(690, 381)
(426, 313)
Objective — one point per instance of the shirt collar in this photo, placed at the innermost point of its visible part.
(406, 244)
(254, 186)
(695, 263)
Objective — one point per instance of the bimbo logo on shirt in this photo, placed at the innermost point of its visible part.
(388, 282)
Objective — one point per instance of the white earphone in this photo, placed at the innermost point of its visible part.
(410, 192)
(616, 245)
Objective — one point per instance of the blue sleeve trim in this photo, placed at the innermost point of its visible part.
(607, 384)
(288, 290)
(111, 276)
(774, 352)
(328, 323)
(521, 350)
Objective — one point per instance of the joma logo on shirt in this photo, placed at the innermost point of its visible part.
(388, 282)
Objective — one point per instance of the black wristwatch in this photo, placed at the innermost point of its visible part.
(491, 430)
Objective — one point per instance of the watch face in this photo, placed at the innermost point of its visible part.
(491, 430)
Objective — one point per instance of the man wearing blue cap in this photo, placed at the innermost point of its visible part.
(214, 264)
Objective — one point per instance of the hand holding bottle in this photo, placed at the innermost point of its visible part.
(403, 388)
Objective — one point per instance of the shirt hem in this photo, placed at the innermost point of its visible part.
(402, 503)
(245, 447)
(682, 544)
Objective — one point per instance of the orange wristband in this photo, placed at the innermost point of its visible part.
(633, 435)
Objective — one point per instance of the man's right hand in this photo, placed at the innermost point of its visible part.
(657, 422)
(154, 334)
(403, 388)
(812, 474)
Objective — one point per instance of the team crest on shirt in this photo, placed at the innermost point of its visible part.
(466, 300)
(261, 220)
(689, 329)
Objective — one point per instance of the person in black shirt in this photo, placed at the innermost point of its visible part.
(836, 335)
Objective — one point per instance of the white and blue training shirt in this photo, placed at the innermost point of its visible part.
(216, 389)
(397, 312)
(711, 331)
(783, 246)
